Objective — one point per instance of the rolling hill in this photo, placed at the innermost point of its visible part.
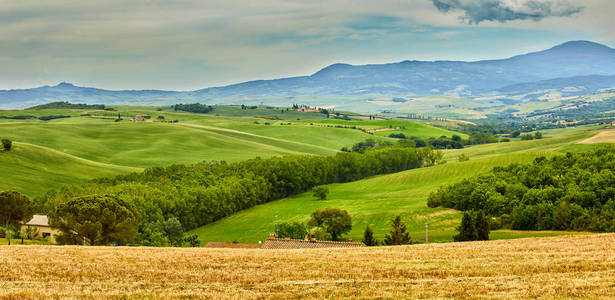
(50, 154)
(375, 201)
(407, 78)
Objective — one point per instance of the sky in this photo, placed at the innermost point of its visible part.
(194, 44)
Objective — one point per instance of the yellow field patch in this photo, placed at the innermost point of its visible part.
(602, 137)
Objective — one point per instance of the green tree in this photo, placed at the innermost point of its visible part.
(399, 234)
(368, 237)
(96, 220)
(467, 231)
(31, 232)
(7, 144)
(15, 209)
(430, 157)
(320, 192)
(463, 157)
(538, 135)
(334, 220)
(174, 231)
(515, 134)
(482, 226)
(193, 240)
(527, 137)
(293, 230)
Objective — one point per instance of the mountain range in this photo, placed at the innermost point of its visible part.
(570, 68)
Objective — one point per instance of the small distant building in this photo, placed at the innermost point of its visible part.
(286, 243)
(613, 123)
(141, 118)
(41, 222)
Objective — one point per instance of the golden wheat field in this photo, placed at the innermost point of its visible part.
(561, 267)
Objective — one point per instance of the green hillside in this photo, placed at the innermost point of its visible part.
(375, 201)
(49, 154)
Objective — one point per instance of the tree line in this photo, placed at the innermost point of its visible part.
(575, 191)
(199, 194)
(193, 108)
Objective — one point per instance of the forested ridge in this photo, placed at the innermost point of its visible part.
(575, 191)
(205, 192)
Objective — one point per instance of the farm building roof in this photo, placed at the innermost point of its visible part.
(230, 245)
(39, 220)
(287, 243)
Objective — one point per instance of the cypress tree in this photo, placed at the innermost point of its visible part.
(467, 231)
(368, 237)
(482, 226)
(399, 235)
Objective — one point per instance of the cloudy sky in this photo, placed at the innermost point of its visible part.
(192, 44)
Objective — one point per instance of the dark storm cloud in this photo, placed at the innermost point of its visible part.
(476, 11)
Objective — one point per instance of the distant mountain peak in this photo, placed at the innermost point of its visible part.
(65, 84)
(581, 45)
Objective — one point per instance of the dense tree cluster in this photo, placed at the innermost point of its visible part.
(95, 220)
(454, 142)
(202, 193)
(68, 105)
(193, 108)
(575, 191)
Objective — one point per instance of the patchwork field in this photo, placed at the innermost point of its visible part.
(561, 267)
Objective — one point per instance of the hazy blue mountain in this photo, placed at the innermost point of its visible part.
(576, 61)
(568, 86)
(75, 94)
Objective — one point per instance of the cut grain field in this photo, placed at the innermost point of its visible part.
(560, 267)
(607, 136)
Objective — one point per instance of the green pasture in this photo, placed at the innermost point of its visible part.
(375, 201)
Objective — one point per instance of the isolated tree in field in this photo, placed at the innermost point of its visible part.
(538, 135)
(293, 230)
(467, 231)
(368, 237)
(430, 157)
(175, 231)
(399, 234)
(515, 134)
(15, 209)
(463, 157)
(482, 226)
(321, 192)
(95, 220)
(7, 144)
(334, 220)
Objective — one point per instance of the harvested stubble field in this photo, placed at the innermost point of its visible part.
(571, 266)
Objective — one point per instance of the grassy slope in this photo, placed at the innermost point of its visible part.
(72, 150)
(376, 200)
